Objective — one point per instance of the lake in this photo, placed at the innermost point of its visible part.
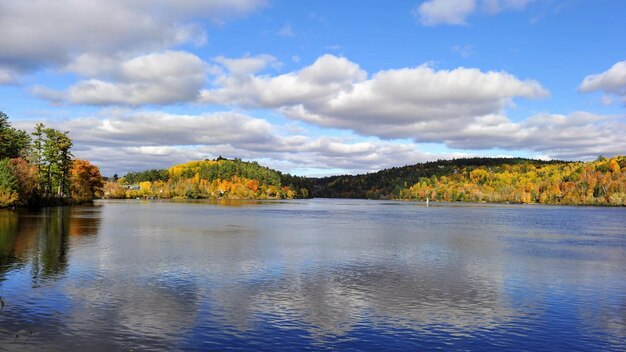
(315, 274)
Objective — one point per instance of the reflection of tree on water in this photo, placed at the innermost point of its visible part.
(41, 238)
(8, 232)
(50, 258)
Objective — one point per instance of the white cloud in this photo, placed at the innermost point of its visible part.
(41, 33)
(7, 76)
(455, 12)
(119, 141)
(327, 76)
(400, 103)
(159, 78)
(435, 12)
(612, 82)
(574, 136)
(462, 108)
(150, 128)
(95, 65)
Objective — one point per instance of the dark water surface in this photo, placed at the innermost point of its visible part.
(313, 274)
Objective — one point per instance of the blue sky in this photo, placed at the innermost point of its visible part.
(318, 87)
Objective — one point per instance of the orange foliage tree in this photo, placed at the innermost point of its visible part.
(86, 181)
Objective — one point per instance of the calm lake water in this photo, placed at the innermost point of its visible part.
(313, 275)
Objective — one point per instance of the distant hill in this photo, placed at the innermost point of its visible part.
(513, 180)
(220, 178)
(388, 183)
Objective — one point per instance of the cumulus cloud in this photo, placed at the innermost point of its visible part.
(463, 108)
(455, 12)
(572, 137)
(159, 78)
(119, 141)
(435, 12)
(329, 75)
(612, 82)
(153, 128)
(401, 103)
(43, 33)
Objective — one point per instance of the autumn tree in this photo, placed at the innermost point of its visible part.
(18, 180)
(9, 195)
(599, 182)
(86, 181)
(220, 178)
(26, 176)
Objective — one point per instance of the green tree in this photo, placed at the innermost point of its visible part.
(13, 142)
(58, 163)
(36, 156)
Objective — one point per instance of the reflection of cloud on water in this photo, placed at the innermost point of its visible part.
(141, 310)
(607, 316)
(333, 284)
(463, 300)
(98, 314)
(335, 302)
(323, 307)
(315, 278)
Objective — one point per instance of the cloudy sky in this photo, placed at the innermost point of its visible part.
(317, 87)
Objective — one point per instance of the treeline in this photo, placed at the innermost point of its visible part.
(389, 183)
(39, 169)
(513, 180)
(601, 182)
(151, 175)
(219, 178)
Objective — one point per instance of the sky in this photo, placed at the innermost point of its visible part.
(317, 88)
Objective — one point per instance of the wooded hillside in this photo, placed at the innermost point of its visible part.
(497, 180)
(220, 178)
(601, 182)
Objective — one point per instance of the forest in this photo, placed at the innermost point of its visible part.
(209, 179)
(39, 169)
(601, 182)
(388, 183)
(494, 180)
